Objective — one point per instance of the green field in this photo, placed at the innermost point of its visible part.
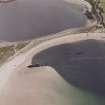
(103, 5)
(6, 52)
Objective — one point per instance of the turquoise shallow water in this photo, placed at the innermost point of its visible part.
(82, 65)
(44, 86)
(27, 19)
(81, 97)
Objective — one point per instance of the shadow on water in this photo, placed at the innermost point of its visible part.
(82, 64)
(27, 19)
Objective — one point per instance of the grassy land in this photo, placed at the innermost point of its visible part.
(6, 52)
(103, 5)
(20, 46)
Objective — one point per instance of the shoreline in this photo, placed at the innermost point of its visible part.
(88, 26)
(20, 60)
